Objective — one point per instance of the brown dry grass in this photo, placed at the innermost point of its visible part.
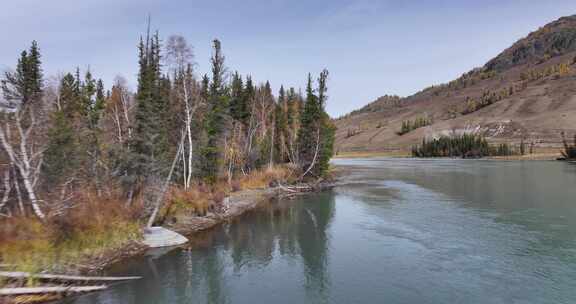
(201, 199)
(94, 225)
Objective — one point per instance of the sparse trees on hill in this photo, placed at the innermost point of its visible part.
(419, 122)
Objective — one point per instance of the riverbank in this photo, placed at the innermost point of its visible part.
(179, 215)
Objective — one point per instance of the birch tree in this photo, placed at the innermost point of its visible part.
(19, 128)
(179, 58)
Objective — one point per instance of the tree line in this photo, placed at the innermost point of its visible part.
(63, 134)
(464, 146)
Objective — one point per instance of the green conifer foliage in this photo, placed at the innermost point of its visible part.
(24, 86)
(238, 109)
(281, 126)
(149, 144)
(62, 154)
(316, 133)
(216, 117)
(248, 97)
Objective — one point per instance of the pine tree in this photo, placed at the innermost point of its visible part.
(308, 135)
(316, 133)
(216, 116)
(61, 158)
(148, 148)
(248, 98)
(327, 128)
(280, 124)
(24, 86)
(237, 102)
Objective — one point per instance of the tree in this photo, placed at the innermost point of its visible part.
(187, 101)
(316, 133)
(280, 125)
(216, 115)
(62, 148)
(22, 89)
(238, 107)
(309, 133)
(117, 114)
(149, 143)
(293, 123)
(179, 54)
(327, 128)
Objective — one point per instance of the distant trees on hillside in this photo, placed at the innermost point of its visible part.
(465, 146)
(410, 125)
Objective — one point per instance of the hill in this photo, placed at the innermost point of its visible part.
(525, 94)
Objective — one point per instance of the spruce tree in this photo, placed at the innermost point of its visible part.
(247, 99)
(280, 124)
(317, 131)
(237, 102)
(216, 116)
(308, 135)
(61, 157)
(148, 149)
(24, 86)
(327, 128)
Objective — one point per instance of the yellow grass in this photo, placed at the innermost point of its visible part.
(200, 199)
(100, 225)
(91, 229)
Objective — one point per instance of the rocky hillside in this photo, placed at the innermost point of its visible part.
(527, 93)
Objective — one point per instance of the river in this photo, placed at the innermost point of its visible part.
(393, 231)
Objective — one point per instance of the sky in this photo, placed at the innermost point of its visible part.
(371, 47)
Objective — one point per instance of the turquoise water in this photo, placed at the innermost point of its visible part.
(392, 231)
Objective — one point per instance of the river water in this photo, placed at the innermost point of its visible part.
(393, 231)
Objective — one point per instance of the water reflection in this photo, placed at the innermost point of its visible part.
(394, 231)
(241, 255)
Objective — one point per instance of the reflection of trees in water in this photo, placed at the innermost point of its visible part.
(293, 229)
(289, 229)
(313, 242)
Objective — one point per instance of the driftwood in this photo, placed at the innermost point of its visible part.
(44, 290)
(57, 277)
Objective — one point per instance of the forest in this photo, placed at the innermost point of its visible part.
(84, 167)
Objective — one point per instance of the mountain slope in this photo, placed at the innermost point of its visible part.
(527, 93)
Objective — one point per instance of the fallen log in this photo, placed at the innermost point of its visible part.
(57, 277)
(44, 290)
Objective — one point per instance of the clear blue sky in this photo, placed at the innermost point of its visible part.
(371, 47)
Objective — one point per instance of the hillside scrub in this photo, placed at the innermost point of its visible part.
(464, 146)
(409, 125)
